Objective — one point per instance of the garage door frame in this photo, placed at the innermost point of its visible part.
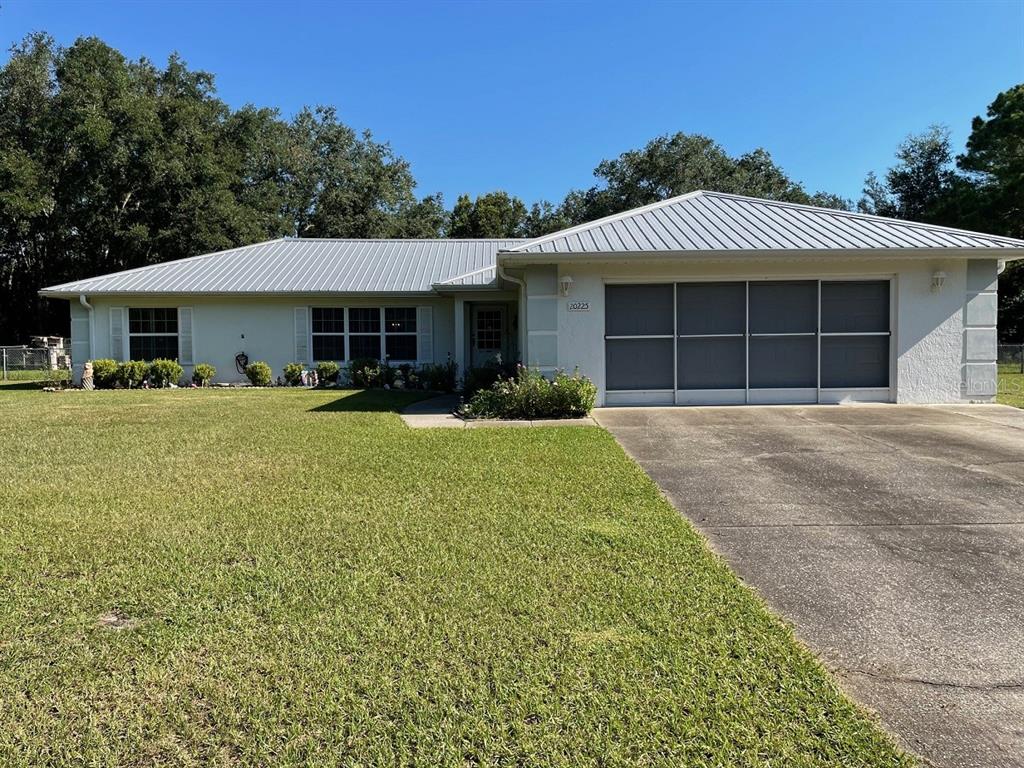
(755, 396)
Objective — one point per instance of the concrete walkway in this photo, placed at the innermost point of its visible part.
(439, 413)
(892, 537)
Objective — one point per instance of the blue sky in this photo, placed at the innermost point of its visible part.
(529, 97)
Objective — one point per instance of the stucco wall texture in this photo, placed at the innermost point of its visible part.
(943, 342)
(929, 347)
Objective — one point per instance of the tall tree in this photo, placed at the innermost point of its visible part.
(920, 183)
(673, 165)
(342, 184)
(495, 214)
(995, 157)
(994, 162)
(107, 164)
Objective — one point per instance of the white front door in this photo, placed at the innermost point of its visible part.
(488, 324)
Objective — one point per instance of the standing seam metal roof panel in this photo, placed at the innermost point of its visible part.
(311, 266)
(715, 221)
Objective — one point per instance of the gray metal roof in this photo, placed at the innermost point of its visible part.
(310, 266)
(714, 221)
(696, 222)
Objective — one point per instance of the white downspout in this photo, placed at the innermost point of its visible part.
(522, 308)
(92, 325)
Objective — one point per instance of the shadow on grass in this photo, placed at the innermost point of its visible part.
(8, 385)
(371, 401)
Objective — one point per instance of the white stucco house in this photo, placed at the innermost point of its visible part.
(703, 298)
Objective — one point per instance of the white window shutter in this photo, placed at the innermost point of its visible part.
(117, 333)
(302, 335)
(185, 335)
(424, 334)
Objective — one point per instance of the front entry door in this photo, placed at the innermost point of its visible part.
(489, 324)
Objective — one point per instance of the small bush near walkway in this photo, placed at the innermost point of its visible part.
(440, 377)
(485, 376)
(529, 395)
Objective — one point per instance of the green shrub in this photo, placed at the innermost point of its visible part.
(327, 372)
(259, 373)
(403, 377)
(484, 376)
(440, 377)
(164, 372)
(58, 378)
(366, 373)
(528, 395)
(292, 373)
(203, 373)
(104, 373)
(131, 373)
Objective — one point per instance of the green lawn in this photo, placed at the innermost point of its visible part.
(20, 375)
(1011, 387)
(268, 577)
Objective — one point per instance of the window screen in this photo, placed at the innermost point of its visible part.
(638, 310)
(855, 361)
(783, 362)
(638, 364)
(712, 363)
(784, 307)
(707, 308)
(855, 306)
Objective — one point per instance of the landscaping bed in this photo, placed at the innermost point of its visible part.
(290, 576)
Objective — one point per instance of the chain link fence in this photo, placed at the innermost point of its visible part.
(46, 364)
(1011, 358)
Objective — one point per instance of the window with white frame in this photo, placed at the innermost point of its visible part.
(353, 333)
(152, 333)
(400, 333)
(328, 333)
(364, 333)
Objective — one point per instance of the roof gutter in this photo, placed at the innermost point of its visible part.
(523, 258)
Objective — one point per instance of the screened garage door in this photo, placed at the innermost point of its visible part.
(796, 341)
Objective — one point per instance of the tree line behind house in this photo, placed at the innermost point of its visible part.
(108, 163)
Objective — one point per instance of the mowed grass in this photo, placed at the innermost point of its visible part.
(1011, 387)
(293, 577)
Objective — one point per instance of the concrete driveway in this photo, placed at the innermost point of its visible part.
(892, 537)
